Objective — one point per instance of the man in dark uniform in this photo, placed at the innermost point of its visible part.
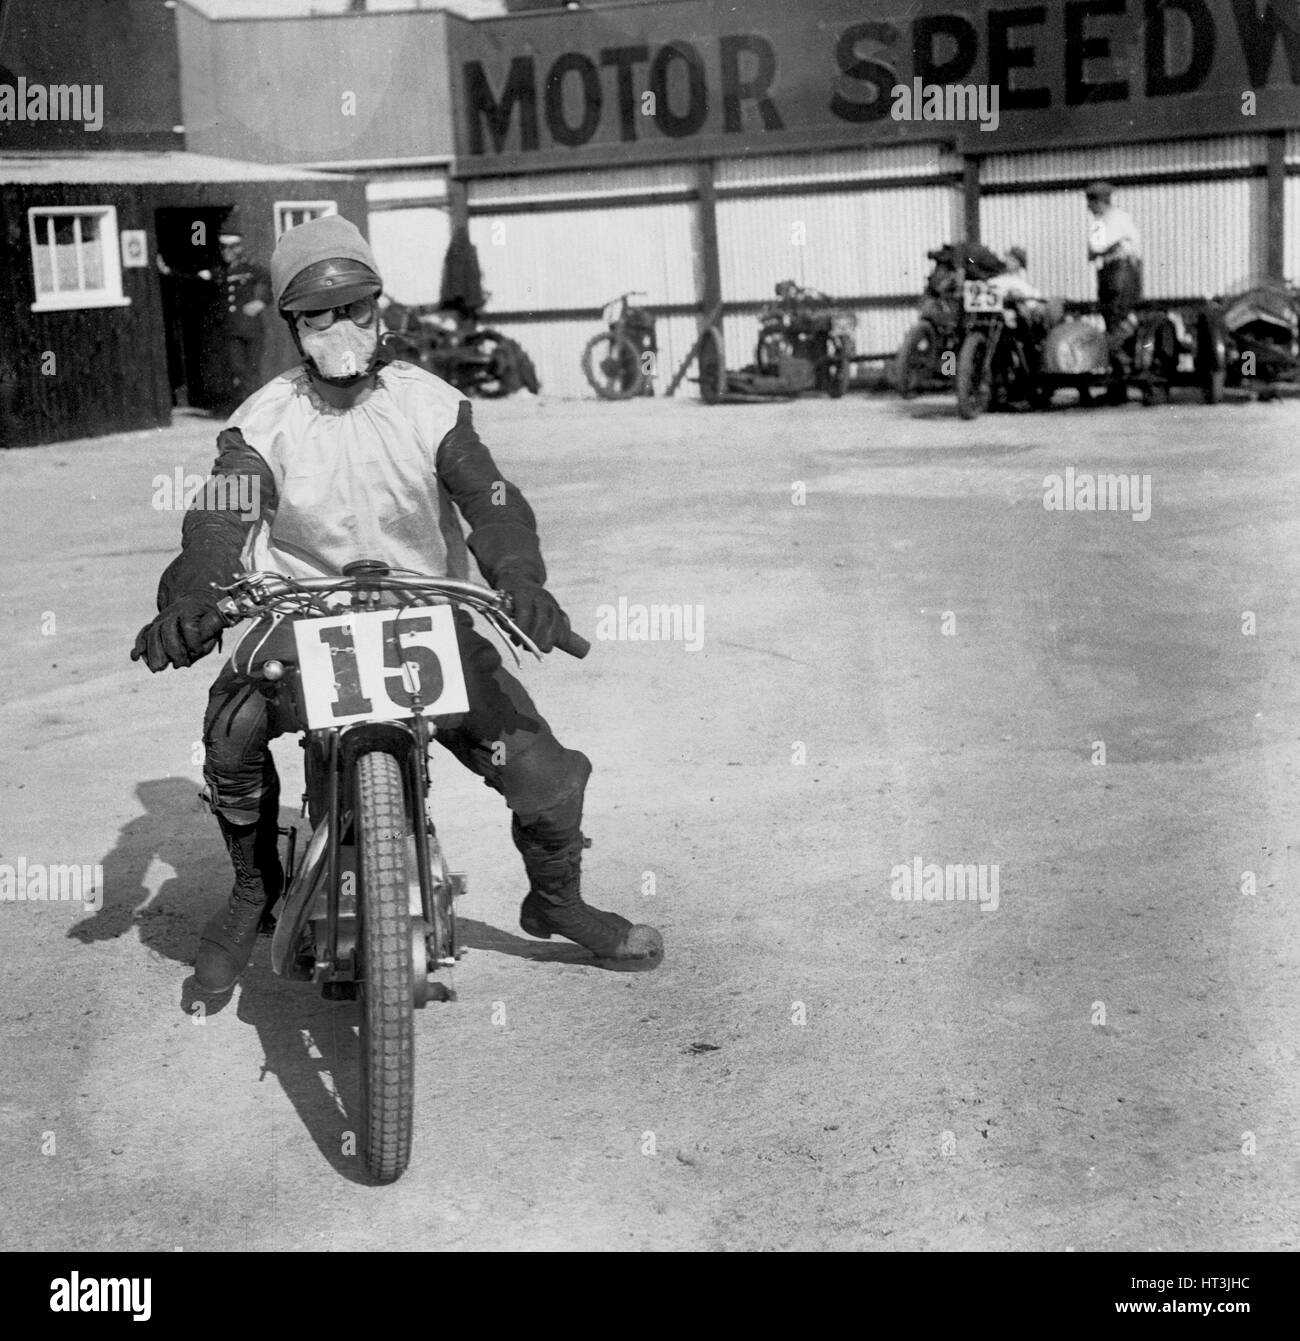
(1114, 248)
(246, 290)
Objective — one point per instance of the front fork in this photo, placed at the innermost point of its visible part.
(316, 894)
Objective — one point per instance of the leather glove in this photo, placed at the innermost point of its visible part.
(536, 611)
(177, 637)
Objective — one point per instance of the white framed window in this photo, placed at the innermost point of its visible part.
(291, 213)
(75, 257)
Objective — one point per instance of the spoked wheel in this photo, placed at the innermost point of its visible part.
(713, 369)
(914, 363)
(527, 372)
(501, 375)
(612, 364)
(974, 375)
(384, 969)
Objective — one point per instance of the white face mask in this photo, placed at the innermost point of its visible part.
(345, 350)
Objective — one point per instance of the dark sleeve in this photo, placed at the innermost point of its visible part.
(262, 283)
(215, 527)
(503, 531)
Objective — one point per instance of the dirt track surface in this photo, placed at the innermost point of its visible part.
(816, 1065)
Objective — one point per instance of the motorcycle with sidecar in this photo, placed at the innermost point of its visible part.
(1019, 350)
(940, 326)
(804, 344)
(475, 359)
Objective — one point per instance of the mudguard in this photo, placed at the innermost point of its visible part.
(1075, 349)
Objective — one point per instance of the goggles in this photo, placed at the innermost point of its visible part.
(361, 312)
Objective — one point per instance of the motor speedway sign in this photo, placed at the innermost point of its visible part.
(700, 77)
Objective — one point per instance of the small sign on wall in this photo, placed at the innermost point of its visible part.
(135, 248)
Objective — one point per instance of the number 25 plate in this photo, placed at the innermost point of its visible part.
(980, 298)
(372, 665)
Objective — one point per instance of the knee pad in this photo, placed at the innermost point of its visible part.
(548, 783)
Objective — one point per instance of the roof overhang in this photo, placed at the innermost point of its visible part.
(130, 169)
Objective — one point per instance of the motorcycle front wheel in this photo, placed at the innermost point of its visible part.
(914, 362)
(712, 366)
(384, 968)
(500, 375)
(974, 375)
(612, 365)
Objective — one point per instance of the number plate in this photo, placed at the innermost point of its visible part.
(363, 666)
(979, 297)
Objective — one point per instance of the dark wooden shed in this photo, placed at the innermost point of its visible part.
(85, 344)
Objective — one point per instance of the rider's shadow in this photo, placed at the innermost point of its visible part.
(479, 936)
(163, 873)
(167, 874)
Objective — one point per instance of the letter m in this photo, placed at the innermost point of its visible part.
(115, 1295)
(65, 102)
(482, 105)
(957, 880)
(62, 882)
(1259, 34)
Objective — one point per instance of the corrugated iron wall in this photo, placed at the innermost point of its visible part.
(409, 230)
(828, 226)
(1199, 237)
(1291, 251)
(557, 257)
(856, 224)
(1291, 244)
(1123, 160)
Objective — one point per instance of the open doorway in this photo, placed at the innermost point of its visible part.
(193, 303)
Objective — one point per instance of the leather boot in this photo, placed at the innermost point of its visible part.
(554, 905)
(227, 942)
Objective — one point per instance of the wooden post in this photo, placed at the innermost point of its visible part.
(710, 273)
(1275, 248)
(970, 191)
(458, 203)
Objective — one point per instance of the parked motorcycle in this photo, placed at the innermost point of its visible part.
(474, 359)
(1020, 351)
(940, 326)
(804, 343)
(620, 362)
(369, 912)
(1260, 328)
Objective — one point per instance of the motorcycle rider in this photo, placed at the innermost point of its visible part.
(353, 455)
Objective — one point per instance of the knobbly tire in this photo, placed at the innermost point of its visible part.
(612, 365)
(713, 370)
(914, 362)
(502, 377)
(974, 376)
(385, 984)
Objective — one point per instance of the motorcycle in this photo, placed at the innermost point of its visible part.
(940, 325)
(803, 343)
(619, 363)
(1260, 330)
(1021, 350)
(477, 360)
(369, 913)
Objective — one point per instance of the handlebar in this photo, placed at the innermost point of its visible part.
(253, 593)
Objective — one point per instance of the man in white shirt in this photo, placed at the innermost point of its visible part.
(1115, 249)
